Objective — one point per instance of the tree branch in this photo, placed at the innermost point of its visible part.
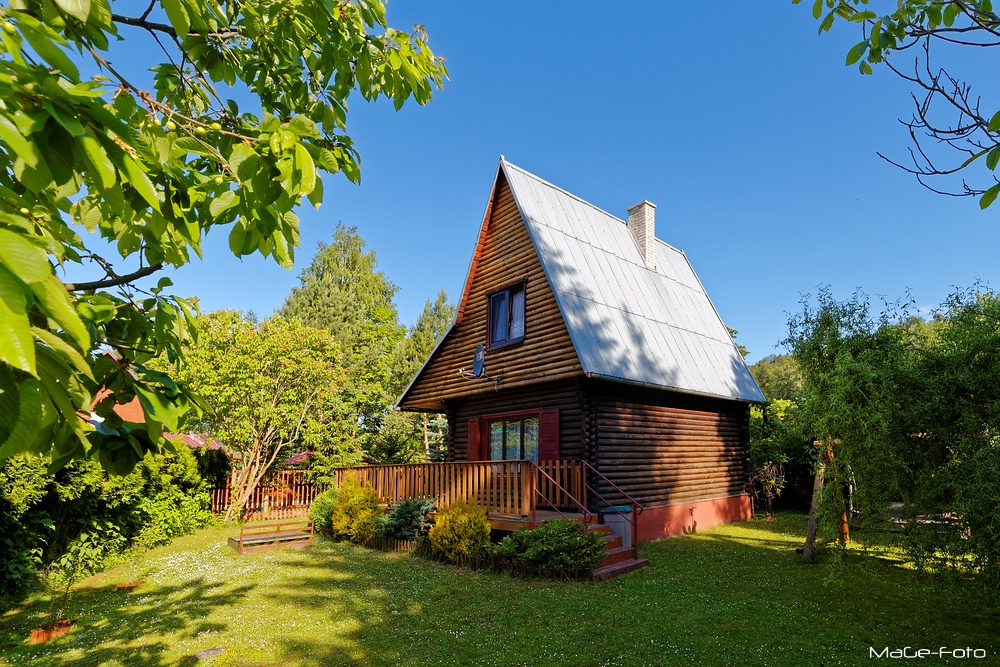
(114, 281)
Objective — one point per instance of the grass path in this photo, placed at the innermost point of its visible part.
(732, 595)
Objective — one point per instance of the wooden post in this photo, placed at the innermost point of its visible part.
(810, 546)
(843, 534)
(825, 455)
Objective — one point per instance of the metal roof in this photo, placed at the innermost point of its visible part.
(627, 322)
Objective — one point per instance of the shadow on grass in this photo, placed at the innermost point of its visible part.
(339, 604)
(113, 627)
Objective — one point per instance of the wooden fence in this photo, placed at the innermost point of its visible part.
(502, 487)
(284, 495)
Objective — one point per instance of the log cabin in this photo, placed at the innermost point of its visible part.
(601, 359)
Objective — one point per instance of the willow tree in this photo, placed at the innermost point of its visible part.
(150, 166)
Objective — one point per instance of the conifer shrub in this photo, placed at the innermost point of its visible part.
(356, 511)
(321, 510)
(460, 530)
(409, 520)
(556, 544)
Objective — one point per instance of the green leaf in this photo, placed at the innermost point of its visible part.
(178, 17)
(28, 261)
(67, 120)
(306, 168)
(994, 122)
(17, 347)
(96, 308)
(303, 126)
(99, 163)
(50, 51)
(10, 406)
(993, 157)
(26, 150)
(817, 9)
(138, 179)
(19, 427)
(65, 349)
(55, 302)
(238, 238)
(855, 53)
(950, 12)
(158, 407)
(827, 22)
(79, 9)
(223, 203)
(989, 196)
(316, 196)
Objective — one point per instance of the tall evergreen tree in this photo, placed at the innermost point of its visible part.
(343, 291)
(418, 435)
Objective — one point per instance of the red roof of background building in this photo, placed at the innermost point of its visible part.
(130, 412)
(298, 459)
(195, 440)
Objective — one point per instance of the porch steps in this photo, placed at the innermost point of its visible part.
(617, 559)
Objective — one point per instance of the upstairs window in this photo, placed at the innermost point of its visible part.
(507, 316)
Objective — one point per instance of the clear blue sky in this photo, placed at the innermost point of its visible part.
(736, 119)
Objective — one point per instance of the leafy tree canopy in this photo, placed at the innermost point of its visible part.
(912, 412)
(151, 166)
(916, 39)
(267, 388)
(778, 376)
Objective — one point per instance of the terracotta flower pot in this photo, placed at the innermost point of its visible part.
(51, 631)
(130, 586)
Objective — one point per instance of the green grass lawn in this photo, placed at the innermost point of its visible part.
(731, 595)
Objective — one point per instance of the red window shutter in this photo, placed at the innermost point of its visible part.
(475, 451)
(548, 435)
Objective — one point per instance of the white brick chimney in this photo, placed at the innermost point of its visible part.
(642, 224)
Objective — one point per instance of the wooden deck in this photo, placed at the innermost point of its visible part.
(499, 521)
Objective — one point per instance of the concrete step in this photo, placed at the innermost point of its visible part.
(612, 571)
(611, 541)
(616, 555)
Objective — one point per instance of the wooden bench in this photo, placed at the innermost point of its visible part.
(295, 533)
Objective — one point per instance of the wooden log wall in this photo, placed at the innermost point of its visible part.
(666, 448)
(504, 256)
(561, 395)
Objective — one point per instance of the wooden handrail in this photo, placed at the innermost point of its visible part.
(637, 507)
(535, 470)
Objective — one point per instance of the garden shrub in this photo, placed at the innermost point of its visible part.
(460, 530)
(321, 510)
(171, 513)
(556, 544)
(409, 520)
(45, 517)
(356, 510)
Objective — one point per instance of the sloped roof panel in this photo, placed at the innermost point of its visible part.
(627, 322)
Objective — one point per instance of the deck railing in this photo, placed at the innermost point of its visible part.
(502, 487)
